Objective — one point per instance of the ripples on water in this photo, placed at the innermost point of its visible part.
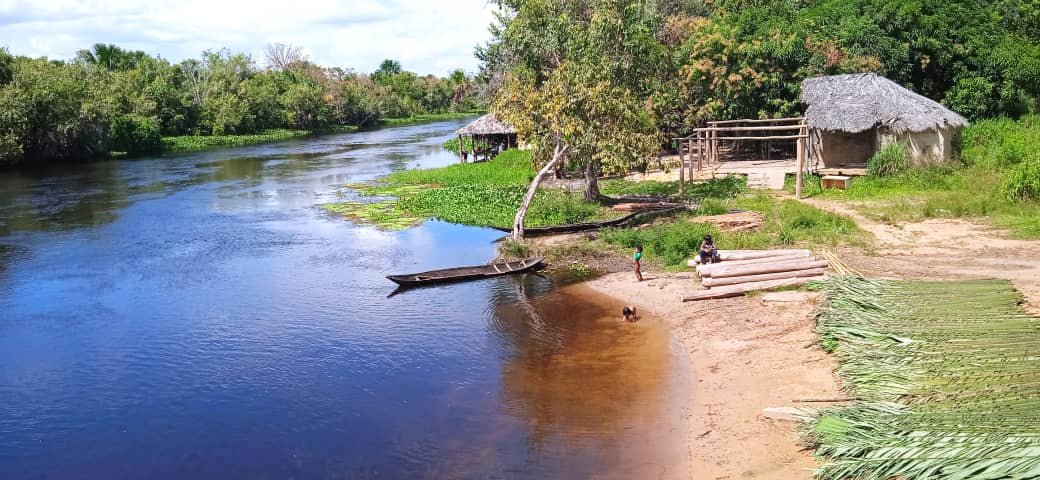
(199, 316)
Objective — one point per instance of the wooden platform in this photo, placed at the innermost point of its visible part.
(853, 171)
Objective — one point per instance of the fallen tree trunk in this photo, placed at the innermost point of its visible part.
(707, 267)
(759, 269)
(752, 254)
(718, 282)
(741, 289)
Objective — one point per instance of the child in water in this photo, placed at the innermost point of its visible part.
(635, 262)
(629, 314)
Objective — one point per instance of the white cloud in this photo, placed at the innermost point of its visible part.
(426, 36)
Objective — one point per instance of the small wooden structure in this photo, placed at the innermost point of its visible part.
(704, 143)
(496, 134)
(850, 117)
(841, 182)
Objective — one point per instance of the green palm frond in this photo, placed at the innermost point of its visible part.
(948, 374)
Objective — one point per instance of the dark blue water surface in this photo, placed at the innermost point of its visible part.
(200, 316)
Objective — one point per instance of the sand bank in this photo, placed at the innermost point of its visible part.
(746, 355)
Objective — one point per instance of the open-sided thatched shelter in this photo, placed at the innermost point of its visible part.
(489, 136)
(852, 116)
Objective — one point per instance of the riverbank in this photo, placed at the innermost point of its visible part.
(193, 143)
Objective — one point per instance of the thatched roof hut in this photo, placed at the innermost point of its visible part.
(852, 116)
(487, 125)
(488, 136)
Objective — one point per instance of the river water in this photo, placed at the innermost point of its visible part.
(200, 316)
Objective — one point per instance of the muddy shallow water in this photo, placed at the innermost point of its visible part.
(199, 316)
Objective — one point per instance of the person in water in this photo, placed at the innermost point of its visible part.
(708, 252)
(635, 262)
(629, 314)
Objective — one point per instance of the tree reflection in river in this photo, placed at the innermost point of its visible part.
(580, 378)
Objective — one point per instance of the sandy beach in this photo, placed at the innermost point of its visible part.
(746, 354)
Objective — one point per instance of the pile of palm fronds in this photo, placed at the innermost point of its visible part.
(948, 380)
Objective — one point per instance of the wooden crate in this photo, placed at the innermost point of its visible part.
(835, 181)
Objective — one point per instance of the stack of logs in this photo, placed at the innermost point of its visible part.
(742, 271)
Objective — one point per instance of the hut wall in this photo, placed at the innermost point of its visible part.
(927, 148)
(840, 149)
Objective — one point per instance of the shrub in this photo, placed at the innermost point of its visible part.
(889, 161)
(515, 249)
(712, 206)
(135, 135)
(1022, 181)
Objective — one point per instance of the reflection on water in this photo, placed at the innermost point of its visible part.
(589, 386)
(199, 316)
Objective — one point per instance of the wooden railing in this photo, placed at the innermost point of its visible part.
(706, 140)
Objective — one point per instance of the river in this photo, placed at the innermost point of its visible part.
(200, 316)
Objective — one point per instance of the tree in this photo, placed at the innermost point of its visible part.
(608, 45)
(387, 70)
(282, 56)
(575, 113)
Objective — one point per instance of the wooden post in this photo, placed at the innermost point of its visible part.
(700, 151)
(714, 146)
(682, 169)
(800, 154)
(462, 159)
(689, 149)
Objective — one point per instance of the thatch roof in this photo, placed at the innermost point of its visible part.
(858, 102)
(487, 125)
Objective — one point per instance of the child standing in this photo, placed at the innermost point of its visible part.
(635, 262)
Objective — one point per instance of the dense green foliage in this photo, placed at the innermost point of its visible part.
(945, 376)
(110, 99)
(998, 179)
(788, 222)
(695, 60)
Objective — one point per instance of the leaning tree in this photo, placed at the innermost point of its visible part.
(574, 113)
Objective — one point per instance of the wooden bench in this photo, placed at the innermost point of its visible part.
(835, 181)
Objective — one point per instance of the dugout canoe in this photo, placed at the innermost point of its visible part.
(459, 274)
(572, 227)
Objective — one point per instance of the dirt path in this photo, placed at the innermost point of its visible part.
(944, 249)
(746, 355)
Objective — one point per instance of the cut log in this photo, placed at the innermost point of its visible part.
(718, 282)
(640, 207)
(781, 258)
(751, 254)
(788, 414)
(759, 269)
(741, 289)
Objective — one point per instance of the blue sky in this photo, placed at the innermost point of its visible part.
(426, 36)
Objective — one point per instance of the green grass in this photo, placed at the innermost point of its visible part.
(722, 187)
(945, 376)
(788, 222)
(425, 118)
(512, 167)
(999, 181)
(481, 194)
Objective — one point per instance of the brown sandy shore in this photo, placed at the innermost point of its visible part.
(746, 354)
